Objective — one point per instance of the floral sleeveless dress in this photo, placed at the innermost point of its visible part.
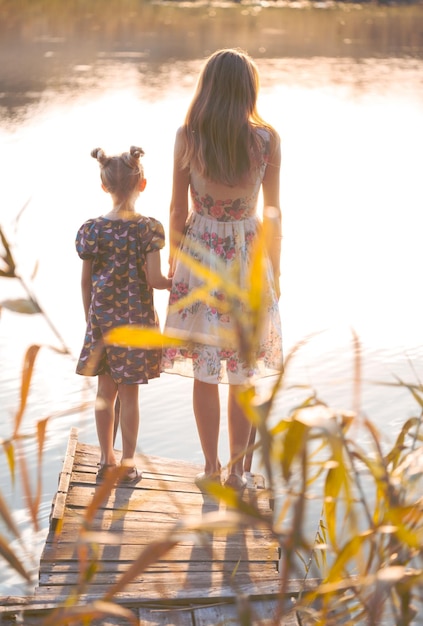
(220, 231)
(120, 295)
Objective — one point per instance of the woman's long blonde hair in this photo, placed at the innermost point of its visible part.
(221, 142)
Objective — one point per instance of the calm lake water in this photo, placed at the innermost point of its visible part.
(343, 86)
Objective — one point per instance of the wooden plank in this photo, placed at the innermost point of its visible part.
(71, 568)
(90, 455)
(138, 594)
(251, 612)
(262, 613)
(169, 616)
(128, 552)
(156, 523)
(108, 620)
(178, 571)
(132, 531)
(64, 480)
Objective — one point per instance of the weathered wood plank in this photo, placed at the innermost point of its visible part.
(90, 455)
(128, 552)
(108, 620)
(258, 613)
(59, 503)
(137, 594)
(136, 530)
(178, 571)
(148, 506)
(117, 521)
(252, 612)
(159, 490)
(162, 615)
(72, 568)
(151, 587)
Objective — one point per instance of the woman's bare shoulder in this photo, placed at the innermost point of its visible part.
(181, 133)
(180, 142)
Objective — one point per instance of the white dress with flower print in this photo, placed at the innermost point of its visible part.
(220, 231)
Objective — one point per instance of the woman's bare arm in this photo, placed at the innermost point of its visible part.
(272, 215)
(179, 200)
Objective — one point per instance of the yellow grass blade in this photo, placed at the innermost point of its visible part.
(21, 305)
(256, 275)
(349, 552)
(214, 280)
(7, 517)
(83, 614)
(295, 440)
(9, 556)
(201, 294)
(32, 502)
(41, 435)
(140, 337)
(7, 259)
(10, 456)
(28, 367)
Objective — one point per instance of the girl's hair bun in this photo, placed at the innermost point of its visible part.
(100, 155)
(136, 152)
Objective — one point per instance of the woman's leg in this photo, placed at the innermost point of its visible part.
(104, 417)
(239, 429)
(206, 406)
(129, 419)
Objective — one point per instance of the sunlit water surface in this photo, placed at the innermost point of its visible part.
(352, 256)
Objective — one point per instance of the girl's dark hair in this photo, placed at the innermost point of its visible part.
(120, 174)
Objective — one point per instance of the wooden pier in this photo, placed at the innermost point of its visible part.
(181, 571)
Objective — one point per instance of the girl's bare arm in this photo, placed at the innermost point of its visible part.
(86, 285)
(155, 277)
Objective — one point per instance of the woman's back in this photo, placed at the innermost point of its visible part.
(227, 203)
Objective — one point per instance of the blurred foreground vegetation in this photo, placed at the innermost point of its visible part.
(366, 556)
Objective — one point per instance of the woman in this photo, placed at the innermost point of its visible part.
(224, 154)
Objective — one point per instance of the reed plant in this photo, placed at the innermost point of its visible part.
(363, 563)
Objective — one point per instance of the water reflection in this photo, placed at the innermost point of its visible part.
(70, 47)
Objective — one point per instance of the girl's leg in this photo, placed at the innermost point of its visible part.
(206, 406)
(239, 429)
(104, 417)
(117, 413)
(129, 419)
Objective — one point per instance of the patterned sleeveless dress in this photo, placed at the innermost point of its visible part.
(221, 228)
(120, 295)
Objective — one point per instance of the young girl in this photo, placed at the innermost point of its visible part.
(120, 254)
(224, 154)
